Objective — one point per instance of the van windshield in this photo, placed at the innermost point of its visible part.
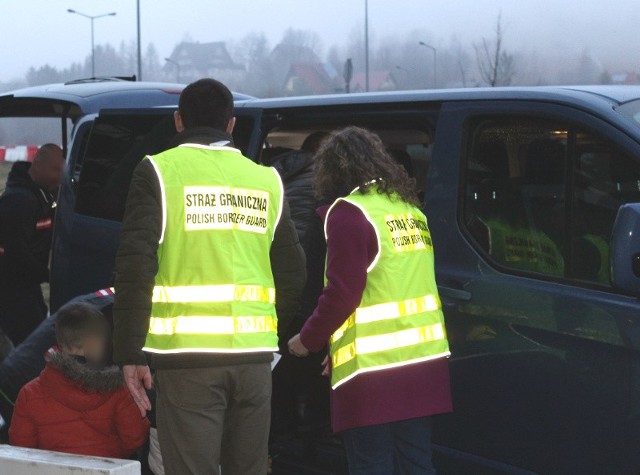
(631, 110)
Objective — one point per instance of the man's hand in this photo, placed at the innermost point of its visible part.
(296, 348)
(137, 379)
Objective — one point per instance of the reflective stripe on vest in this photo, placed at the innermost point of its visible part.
(195, 325)
(388, 311)
(389, 341)
(392, 327)
(213, 293)
(214, 290)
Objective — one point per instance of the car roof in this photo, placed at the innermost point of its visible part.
(83, 97)
(603, 96)
(78, 98)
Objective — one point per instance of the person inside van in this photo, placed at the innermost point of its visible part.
(380, 309)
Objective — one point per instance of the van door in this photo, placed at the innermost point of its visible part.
(45, 109)
(107, 148)
(545, 366)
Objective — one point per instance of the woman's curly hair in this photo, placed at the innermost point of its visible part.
(355, 157)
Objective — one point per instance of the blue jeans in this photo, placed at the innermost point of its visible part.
(396, 448)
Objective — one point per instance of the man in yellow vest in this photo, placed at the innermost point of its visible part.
(207, 242)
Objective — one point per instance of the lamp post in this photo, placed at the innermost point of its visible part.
(139, 40)
(405, 71)
(177, 65)
(93, 47)
(366, 44)
(435, 62)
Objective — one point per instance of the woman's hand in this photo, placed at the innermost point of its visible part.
(326, 366)
(296, 348)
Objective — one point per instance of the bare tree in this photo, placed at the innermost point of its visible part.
(496, 66)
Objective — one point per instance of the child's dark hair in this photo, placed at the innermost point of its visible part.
(77, 321)
(206, 103)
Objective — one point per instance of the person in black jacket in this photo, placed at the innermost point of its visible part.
(296, 170)
(298, 387)
(26, 218)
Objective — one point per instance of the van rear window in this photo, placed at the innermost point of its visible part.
(117, 143)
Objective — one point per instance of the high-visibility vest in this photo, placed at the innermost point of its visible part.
(399, 320)
(214, 290)
(523, 249)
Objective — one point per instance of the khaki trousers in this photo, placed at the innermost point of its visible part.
(214, 417)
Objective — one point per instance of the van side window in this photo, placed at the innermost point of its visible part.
(117, 143)
(519, 172)
(514, 206)
(409, 146)
(604, 178)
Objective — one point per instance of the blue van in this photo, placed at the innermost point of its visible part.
(532, 199)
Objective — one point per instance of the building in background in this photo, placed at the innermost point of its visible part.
(625, 78)
(192, 61)
(379, 81)
(306, 79)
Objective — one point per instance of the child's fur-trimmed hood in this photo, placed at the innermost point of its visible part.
(106, 380)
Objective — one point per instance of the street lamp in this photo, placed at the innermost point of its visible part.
(435, 62)
(93, 48)
(177, 65)
(406, 73)
(366, 44)
(139, 41)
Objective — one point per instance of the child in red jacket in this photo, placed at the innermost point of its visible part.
(77, 405)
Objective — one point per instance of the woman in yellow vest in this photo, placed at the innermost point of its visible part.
(379, 311)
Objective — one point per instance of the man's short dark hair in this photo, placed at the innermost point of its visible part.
(77, 321)
(206, 103)
(46, 151)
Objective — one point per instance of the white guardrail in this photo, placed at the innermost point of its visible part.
(20, 461)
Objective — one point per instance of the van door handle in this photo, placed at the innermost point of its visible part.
(456, 294)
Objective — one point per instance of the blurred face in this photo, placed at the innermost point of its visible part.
(47, 171)
(95, 350)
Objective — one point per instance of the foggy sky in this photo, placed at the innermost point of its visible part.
(38, 32)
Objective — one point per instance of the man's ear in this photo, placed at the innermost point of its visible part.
(231, 125)
(177, 119)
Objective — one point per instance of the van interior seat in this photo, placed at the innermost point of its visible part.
(491, 179)
(403, 158)
(545, 163)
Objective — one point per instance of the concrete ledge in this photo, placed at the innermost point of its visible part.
(19, 461)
